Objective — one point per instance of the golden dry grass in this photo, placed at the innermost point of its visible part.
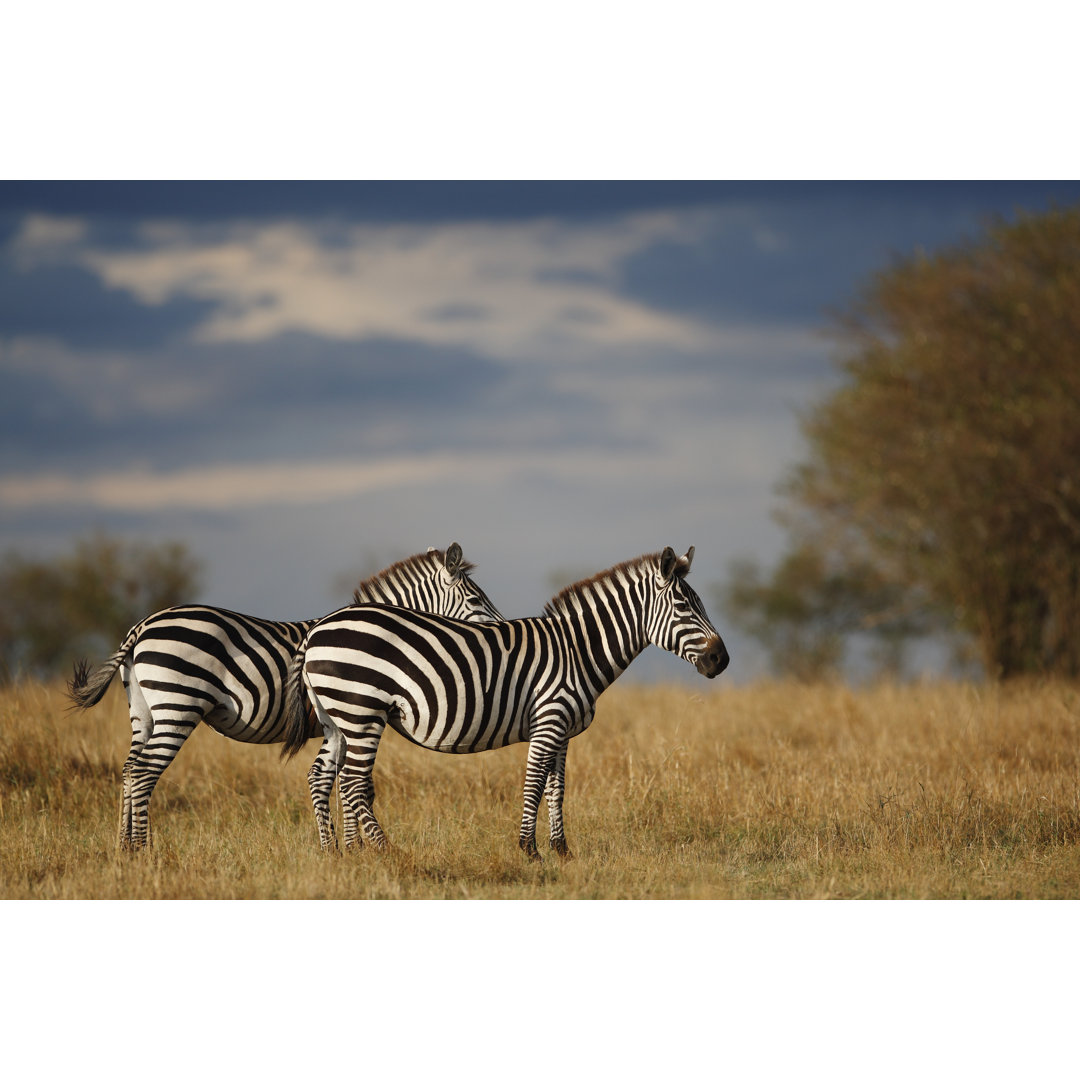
(764, 791)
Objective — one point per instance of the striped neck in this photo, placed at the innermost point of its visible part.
(605, 619)
(401, 583)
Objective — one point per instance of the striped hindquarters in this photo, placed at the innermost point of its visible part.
(227, 667)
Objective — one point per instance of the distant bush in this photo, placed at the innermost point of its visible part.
(83, 602)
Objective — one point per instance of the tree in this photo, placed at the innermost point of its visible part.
(82, 603)
(947, 460)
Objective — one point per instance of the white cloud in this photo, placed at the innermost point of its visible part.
(218, 487)
(512, 291)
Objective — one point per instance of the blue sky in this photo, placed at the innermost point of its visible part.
(305, 381)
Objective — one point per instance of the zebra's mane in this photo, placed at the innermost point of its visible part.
(562, 602)
(401, 566)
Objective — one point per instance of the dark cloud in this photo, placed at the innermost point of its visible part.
(729, 276)
(301, 367)
(295, 387)
(419, 201)
(432, 201)
(34, 416)
(793, 260)
(71, 305)
(296, 396)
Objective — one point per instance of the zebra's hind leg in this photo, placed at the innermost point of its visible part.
(322, 774)
(162, 746)
(320, 784)
(142, 726)
(554, 789)
(123, 831)
(350, 824)
(357, 785)
(123, 834)
(358, 795)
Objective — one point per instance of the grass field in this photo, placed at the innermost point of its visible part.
(765, 791)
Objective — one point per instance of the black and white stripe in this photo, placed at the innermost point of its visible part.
(191, 663)
(462, 689)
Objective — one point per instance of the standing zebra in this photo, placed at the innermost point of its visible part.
(192, 663)
(461, 689)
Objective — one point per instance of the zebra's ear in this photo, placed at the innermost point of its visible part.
(667, 563)
(452, 561)
(688, 558)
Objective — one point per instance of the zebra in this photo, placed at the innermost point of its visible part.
(193, 663)
(463, 689)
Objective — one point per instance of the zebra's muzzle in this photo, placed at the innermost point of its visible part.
(714, 659)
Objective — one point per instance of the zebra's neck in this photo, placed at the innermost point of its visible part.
(401, 583)
(605, 628)
(376, 592)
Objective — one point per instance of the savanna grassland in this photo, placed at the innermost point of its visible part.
(766, 791)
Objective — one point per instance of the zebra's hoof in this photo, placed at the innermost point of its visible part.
(529, 847)
(560, 848)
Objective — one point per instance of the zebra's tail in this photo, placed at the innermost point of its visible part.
(297, 712)
(88, 687)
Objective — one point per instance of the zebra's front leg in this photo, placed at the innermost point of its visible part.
(357, 785)
(543, 748)
(554, 790)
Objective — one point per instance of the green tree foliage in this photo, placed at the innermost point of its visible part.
(83, 602)
(948, 458)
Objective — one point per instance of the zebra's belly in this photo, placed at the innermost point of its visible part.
(247, 729)
(459, 735)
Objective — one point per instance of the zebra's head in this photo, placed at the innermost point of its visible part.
(435, 581)
(460, 596)
(676, 619)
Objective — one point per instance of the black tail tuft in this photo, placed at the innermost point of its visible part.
(79, 677)
(86, 689)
